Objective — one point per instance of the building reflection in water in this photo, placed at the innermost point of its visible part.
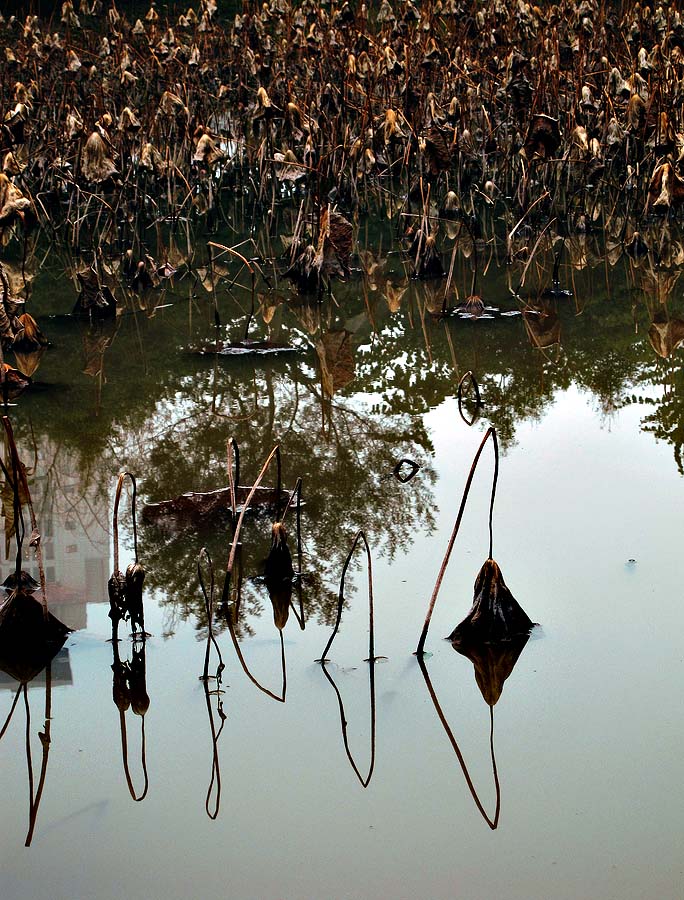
(73, 521)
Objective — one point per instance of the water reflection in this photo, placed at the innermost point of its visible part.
(493, 664)
(24, 669)
(129, 692)
(359, 540)
(492, 821)
(209, 595)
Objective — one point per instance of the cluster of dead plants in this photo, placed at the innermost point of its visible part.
(110, 126)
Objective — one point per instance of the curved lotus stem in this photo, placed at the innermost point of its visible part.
(115, 518)
(491, 432)
(478, 399)
(360, 536)
(209, 607)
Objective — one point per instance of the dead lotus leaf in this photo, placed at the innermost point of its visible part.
(334, 244)
(495, 615)
(543, 137)
(152, 160)
(279, 573)
(7, 508)
(437, 150)
(96, 166)
(13, 204)
(95, 298)
(207, 152)
(30, 337)
(666, 188)
(288, 167)
(194, 507)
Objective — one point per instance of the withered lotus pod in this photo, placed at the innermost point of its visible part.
(495, 614)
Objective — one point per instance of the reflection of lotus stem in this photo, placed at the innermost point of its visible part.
(233, 547)
(491, 432)
(233, 452)
(124, 755)
(360, 536)
(34, 803)
(493, 823)
(279, 697)
(232, 615)
(478, 399)
(215, 765)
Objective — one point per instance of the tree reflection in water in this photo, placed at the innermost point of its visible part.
(348, 409)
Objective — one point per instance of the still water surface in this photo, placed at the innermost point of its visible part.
(588, 731)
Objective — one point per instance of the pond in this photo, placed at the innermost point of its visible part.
(372, 779)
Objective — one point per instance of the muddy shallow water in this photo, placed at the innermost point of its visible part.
(587, 525)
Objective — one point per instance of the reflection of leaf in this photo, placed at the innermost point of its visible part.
(337, 362)
(665, 335)
(28, 639)
(27, 363)
(493, 664)
(393, 294)
(543, 328)
(96, 339)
